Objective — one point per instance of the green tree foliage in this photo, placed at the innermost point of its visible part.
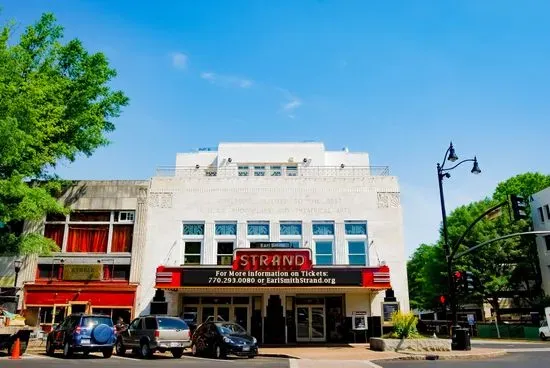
(55, 103)
(505, 268)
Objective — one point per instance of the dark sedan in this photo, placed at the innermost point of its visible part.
(220, 339)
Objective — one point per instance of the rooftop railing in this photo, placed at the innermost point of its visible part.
(281, 171)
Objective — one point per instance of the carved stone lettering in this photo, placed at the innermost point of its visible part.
(389, 199)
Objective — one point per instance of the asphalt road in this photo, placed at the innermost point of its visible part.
(96, 361)
(511, 360)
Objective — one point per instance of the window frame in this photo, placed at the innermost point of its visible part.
(113, 221)
(541, 214)
(218, 255)
(192, 239)
(364, 254)
(324, 238)
(357, 238)
(258, 236)
(292, 238)
(184, 252)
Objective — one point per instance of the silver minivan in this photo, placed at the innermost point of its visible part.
(148, 334)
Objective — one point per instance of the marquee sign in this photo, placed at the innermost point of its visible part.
(254, 259)
(275, 267)
(229, 277)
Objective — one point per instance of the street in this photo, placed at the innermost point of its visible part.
(95, 360)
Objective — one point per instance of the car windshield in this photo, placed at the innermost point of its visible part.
(91, 322)
(230, 328)
(172, 324)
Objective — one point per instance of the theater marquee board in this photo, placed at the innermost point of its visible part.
(259, 267)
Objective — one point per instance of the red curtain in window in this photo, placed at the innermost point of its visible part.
(122, 238)
(55, 232)
(88, 238)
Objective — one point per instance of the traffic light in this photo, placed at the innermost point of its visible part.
(464, 281)
(518, 207)
(468, 282)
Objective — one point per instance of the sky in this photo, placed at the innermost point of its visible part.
(397, 79)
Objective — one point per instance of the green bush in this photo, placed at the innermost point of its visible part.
(404, 325)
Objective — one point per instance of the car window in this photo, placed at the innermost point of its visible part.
(544, 324)
(171, 324)
(230, 328)
(93, 321)
(150, 324)
(135, 325)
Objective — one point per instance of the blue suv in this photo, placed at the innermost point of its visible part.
(83, 333)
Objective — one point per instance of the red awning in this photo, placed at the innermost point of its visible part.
(96, 295)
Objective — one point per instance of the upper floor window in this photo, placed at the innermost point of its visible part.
(292, 170)
(323, 228)
(226, 229)
(243, 170)
(92, 231)
(259, 170)
(355, 228)
(291, 229)
(276, 171)
(193, 229)
(547, 242)
(357, 253)
(547, 208)
(323, 252)
(541, 214)
(258, 229)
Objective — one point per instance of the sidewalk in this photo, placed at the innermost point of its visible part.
(362, 352)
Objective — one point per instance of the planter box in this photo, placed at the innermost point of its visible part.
(429, 344)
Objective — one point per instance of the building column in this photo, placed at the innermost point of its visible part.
(140, 229)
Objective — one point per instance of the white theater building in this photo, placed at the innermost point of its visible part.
(277, 204)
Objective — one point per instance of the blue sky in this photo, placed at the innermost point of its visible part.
(397, 79)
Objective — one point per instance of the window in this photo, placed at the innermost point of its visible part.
(243, 170)
(323, 229)
(356, 228)
(225, 253)
(150, 323)
(116, 272)
(122, 238)
(289, 229)
(193, 229)
(357, 253)
(259, 170)
(88, 238)
(547, 208)
(547, 242)
(92, 231)
(55, 232)
(276, 171)
(192, 252)
(48, 271)
(291, 233)
(292, 170)
(167, 323)
(323, 252)
(541, 214)
(226, 229)
(258, 229)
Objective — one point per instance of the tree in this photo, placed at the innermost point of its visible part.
(55, 104)
(505, 268)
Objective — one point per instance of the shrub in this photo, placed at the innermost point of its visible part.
(404, 325)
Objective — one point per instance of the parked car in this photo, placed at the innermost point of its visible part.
(220, 339)
(148, 334)
(544, 330)
(82, 333)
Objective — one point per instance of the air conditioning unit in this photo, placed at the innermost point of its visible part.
(126, 216)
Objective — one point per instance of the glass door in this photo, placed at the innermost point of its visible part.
(310, 323)
(215, 313)
(240, 316)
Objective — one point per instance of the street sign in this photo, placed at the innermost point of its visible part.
(471, 319)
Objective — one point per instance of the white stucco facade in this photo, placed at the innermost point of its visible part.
(540, 212)
(314, 185)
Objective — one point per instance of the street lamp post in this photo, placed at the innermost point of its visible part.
(442, 172)
(17, 268)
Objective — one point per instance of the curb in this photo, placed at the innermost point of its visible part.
(285, 356)
(416, 356)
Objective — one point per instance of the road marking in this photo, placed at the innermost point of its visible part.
(371, 364)
(293, 363)
(527, 350)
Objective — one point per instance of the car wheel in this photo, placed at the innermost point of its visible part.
(543, 336)
(177, 353)
(194, 350)
(119, 347)
(219, 353)
(145, 350)
(86, 353)
(107, 352)
(50, 349)
(251, 356)
(67, 351)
